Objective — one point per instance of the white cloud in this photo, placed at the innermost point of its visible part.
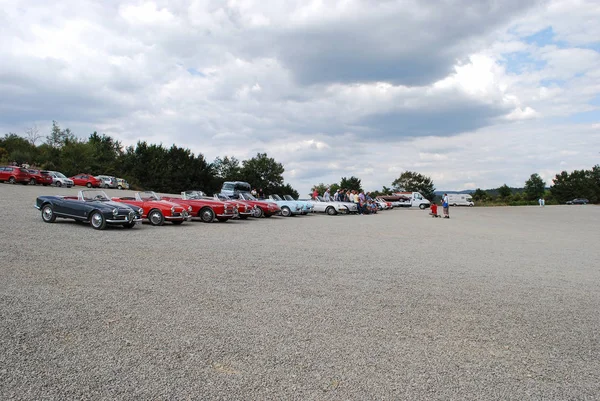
(331, 89)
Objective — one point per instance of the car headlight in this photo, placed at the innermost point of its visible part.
(172, 210)
(115, 211)
(141, 211)
(189, 209)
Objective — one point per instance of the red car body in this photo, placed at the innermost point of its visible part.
(261, 208)
(156, 210)
(14, 174)
(86, 180)
(207, 209)
(40, 177)
(243, 210)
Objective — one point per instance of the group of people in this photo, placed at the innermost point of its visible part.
(445, 206)
(259, 194)
(364, 202)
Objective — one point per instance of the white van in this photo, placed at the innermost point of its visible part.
(460, 200)
(414, 199)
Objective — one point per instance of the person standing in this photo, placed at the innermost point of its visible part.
(261, 194)
(445, 205)
(327, 196)
(336, 195)
(315, 194)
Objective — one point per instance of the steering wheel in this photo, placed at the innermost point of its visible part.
(98, 197)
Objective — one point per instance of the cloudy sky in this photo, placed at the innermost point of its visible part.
(474, 94)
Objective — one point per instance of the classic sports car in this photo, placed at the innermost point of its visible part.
(331, 208)
(241, 210)
(92, 206)
(307, 206)
(206, 209)
(261, 208)
(288, 208)
(157, 210)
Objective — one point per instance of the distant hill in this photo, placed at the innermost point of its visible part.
(493, 191)
(466, 191)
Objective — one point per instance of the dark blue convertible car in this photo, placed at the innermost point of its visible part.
(92, 206)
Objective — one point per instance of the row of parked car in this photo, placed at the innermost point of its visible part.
(95, 207)
(22, 175)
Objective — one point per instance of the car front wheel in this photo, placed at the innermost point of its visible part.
(48, 214)
(156, 218)
(422, 207)
(286, 212)
(32, 181)
(58, 184)
(258, 212)
(97, 221)
(89, 185)
(12, 180)
(207, 215)
(331, 211)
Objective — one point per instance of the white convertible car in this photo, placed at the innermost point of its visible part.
(331, 208)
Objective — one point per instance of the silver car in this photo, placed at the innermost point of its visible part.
(60, 180)
(108, 181)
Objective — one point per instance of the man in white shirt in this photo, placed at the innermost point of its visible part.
(327, 197)
(445, 205)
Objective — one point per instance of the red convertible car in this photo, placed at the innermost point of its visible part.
(157, 210)
(243, 210)
(261, 208)
(206, 209)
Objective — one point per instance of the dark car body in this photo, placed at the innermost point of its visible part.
(14, 174)
(40, 177)
(90, 206)
(578, 201)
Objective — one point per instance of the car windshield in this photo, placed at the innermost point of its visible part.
(193, 194)
(277, 197)
(288, 197)
(93, 195)
(247, 196)
(146, 196)
(320, 199)
(59, 175)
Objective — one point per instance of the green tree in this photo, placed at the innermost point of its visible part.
(104, 154)
(577, 184)
(352, 183)
(480, 195)
(227, 168)
(504, 192)
(534, 187)
(57, 137)
(415, 182)
(263, 172)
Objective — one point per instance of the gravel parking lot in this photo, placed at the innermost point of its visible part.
(495, 303)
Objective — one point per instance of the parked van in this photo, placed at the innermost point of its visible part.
(231, 187)
(414, 199)
(460, 200)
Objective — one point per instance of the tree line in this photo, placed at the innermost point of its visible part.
(144, 166)
(566, 186)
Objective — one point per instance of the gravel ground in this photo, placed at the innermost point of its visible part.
(494, 303)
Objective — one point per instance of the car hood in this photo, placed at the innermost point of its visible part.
(110, 204)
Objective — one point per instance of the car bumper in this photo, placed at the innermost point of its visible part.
(123, 220)
(176, 218)
(226, 215)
